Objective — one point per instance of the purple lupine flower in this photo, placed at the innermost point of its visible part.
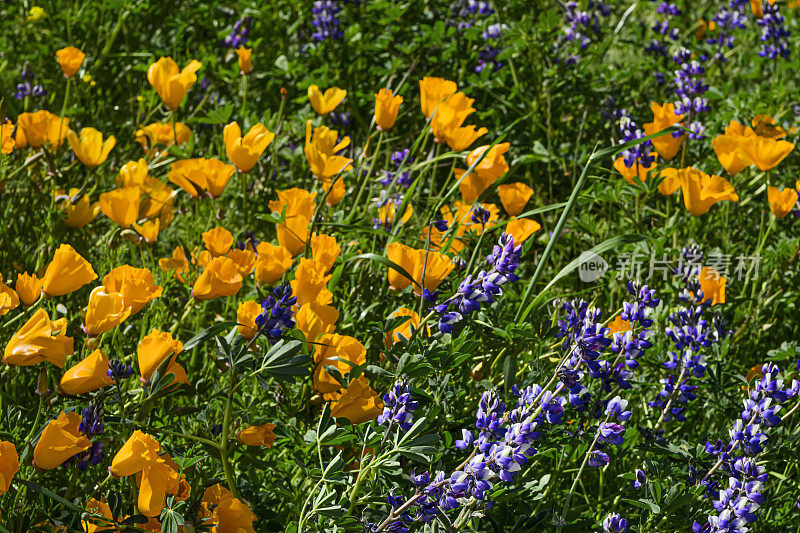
(580, 29)
(27, 87)
(635, 155)
(398, 408)
(614, 523)
(690, 88)
(276, 315)
(640, 479)
(774, 34)
(483, 288)
(467, 12)
(728, 19)
(118, 370)
(488, 53)
(238, 36)
(326, 20)
(92, 420)
(399, 158)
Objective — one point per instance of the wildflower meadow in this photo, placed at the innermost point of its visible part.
(400, 266)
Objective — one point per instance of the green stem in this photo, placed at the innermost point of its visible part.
(578, 476)
(522, 312)
(356, 205)
(223, 444)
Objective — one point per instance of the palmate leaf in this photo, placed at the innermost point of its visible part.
(283, 362)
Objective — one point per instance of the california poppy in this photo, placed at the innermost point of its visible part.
(156, 472)
(224, 513)
(637, 170)
(359, 403)
(70, 59)
(315, 319)
(324, 103)
(121, 205)
(325, 250)
(136, 285)
(218, 241)
(8, 298)
(166, 133)
(514, 196)
(59, 441)
(170, 82)
(446, 123)
(309, 283)
(664, 116)
(433, 91)
(220, 278)
(245, 64)
(154, 349)
(90, 148)
(245, 260)
(9, 465)
(7, 142)
(320, 150)
(272, 262)
(402, 333)
(106, 310)
(701, 191)
(386, 107)
(300, 207)
(245, 151)
(619, 325)
(782, 202)
(41, 128)
(80, 209)
(29, 288)
(86, 376)
(195, 175)
(339, 351)
(67, 272)
(522, 228)
(246, 315)
(712, 283)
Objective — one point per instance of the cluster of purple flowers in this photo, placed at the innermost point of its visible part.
(580, 28)
(690, 88)
(27, 87)
(664, 30)
(691, 334)
(326, 20)
(92, 420)
(398, 407)
(276, 315)
(639, 154)
(491, 49)
(483, 288)
(774, 34)
(737, 502)
(118, 370)
(503, 443)
(91, 425)
(90, 457)
(467, 12)
(728, 19)
(238, 36)
(504, 439)
(614, 523)
(586, 340)
(400, 158)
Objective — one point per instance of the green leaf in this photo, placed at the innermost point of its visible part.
(207, 334)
